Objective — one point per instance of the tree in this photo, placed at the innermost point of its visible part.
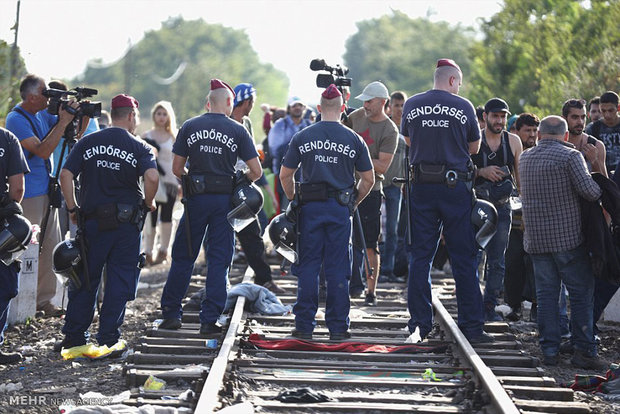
(9, 88)
(536, 54)
(176, 62)
(401, 51)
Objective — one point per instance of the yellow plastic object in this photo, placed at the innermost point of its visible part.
(430, 375)
(92, 351)
(154, 384)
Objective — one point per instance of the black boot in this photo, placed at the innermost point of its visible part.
(10, 358)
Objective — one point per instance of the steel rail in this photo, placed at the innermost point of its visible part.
(500, 399)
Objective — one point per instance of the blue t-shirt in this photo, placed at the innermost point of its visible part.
(38, 180)
(440, 125)
(12, 160)
(92, 127)
(328, 153)
(212, 143)
(110, 163)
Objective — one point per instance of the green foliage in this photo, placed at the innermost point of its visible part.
(9, 88)
(538, 53)
(209, 50)
(401, 52)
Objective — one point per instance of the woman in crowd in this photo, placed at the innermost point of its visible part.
(162, 136)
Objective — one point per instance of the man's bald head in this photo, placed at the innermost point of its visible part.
(448, 78)
(553, 127)
(220, 101)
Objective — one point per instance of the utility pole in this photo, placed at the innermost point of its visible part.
(13, 59)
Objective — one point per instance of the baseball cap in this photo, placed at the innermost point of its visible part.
(496, 105)
(447, 62)
(331, 92)
(295, 100)
(511, 121)
(218, 84)
(244, 91)
(124, 101)
(374, 89)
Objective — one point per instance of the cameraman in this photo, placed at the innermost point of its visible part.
(39, 133)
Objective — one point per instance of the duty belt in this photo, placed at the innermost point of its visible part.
(439, 174)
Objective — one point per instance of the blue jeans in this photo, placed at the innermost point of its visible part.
(573, 268)
(392, 212)
(496, 254)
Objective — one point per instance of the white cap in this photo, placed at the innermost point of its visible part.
(374, 89)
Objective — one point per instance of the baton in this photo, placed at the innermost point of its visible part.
(358, 220)
(188, 227)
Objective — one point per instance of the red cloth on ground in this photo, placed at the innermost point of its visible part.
(300, 345)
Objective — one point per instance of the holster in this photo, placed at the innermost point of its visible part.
(211, 184)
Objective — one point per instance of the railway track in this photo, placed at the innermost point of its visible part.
(445, 374)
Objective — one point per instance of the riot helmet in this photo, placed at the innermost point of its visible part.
(15, 235)
(283, 236)
(247, 200)
(484, 220)
(67, 262)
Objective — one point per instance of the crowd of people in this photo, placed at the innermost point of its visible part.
(503, 197)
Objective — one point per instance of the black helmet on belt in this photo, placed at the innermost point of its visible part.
(15, 235)
(67, 261)
(282, 234)
(247, 200)
(484, 219)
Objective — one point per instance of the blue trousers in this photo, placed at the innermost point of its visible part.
(8, 290)
(434, 206)
(496, 254)
(207, 213)
(325, 232)
(392, 213)
(119, 251)
(573, 268)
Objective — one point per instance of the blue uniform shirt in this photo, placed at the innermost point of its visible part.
(440, 125)
(37, 181)
(12, 160)
(110, 163)
(329, 153)
(212, 142)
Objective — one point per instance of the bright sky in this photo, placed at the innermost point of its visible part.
(58, 37)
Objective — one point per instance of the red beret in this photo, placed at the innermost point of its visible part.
(331, 92)
(124, 101)
(217, 84)
(447, 62)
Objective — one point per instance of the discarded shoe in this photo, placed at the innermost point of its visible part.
(273, 287)
(339, 336)
(210, 328)
(301, 335)
(170, 323)
(10, 358)
(483, 338)
(581, 360)
(371, 299)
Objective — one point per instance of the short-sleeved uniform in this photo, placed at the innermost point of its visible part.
(440, 126)
(212, 143)
(327, 152)
(12, 162)
(108, 164)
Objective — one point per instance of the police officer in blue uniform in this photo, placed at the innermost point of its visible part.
(328, 154)
(13, 166)
(109, 164)
(211, 143)
(442, 131)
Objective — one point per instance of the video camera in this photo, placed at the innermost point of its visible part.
(59, 97)
(337, 74)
